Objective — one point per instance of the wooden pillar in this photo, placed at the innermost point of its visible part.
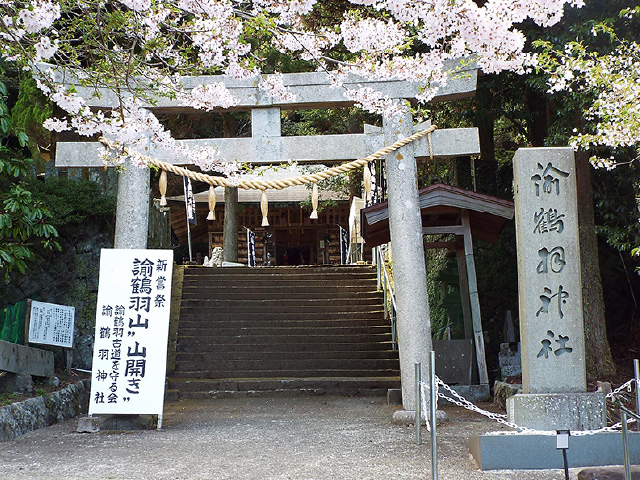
(474, 299)
(464, 293)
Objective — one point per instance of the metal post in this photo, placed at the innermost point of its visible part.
(189, 241)
(625, 447)
(636, 374)
(418, 420)
(376, 257)
(159, 422)
(432, 382)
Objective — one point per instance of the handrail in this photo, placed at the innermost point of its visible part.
(388, 290)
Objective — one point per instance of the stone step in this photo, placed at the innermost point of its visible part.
(292, 372)
(260, 302)
(336, 307)
(205, 343)
(285, 387)
(289, 355)
(227, 330)
(277, 365)
(214, 339)
(271, 292)
(201, 314)
(298, 321)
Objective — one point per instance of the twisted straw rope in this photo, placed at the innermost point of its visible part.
(286, 182)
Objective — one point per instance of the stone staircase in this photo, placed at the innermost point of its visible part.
(282, 331)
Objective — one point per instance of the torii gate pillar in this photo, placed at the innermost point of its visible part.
(409, 271)
(132, 214)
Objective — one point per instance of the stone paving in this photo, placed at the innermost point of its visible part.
(304, 438)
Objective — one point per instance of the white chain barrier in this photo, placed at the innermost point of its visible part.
(451, 396)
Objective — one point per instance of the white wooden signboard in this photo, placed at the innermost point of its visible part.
(132, 328)
(51, 324)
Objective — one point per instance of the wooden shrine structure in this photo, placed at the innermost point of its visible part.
(447, 210)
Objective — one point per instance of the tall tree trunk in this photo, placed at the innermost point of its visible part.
(487, 166)
(599, 360)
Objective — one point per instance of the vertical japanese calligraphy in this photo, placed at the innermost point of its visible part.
(132, 323)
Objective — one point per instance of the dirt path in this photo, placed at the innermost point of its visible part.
(258, 439)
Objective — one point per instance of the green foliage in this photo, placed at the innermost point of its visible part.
(74, 201)
(25, 230)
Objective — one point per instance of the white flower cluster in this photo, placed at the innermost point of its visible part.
(137, 5)
(39, 15)
(273, 86)
(373, 101)
(209, 97)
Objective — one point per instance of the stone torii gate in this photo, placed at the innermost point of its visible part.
(266, 145)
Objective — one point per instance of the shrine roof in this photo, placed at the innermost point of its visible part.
(441, 206)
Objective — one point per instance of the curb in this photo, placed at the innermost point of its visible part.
(34, 413)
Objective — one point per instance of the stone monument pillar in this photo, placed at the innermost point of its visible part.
(550, 293)
(409, 272)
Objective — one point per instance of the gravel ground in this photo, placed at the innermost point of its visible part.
(302, 438)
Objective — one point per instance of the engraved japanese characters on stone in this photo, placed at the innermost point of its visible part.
(549, 179)
(547, 343)
(549, 220)
(551, 260)
(560, 296)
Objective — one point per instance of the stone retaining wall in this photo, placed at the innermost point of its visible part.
(23, 417)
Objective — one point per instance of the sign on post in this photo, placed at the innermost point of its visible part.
(132, 327)
(51, 324)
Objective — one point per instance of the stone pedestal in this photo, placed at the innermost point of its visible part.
(555, 411)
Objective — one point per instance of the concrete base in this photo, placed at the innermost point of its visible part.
(553, 411)
(520, 452)
(116, 422)
(88, 425)
(408, 417)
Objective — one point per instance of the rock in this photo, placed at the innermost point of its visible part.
(502, 391)
(607, 473)
(53, 382)
(88, 425)
(20, 383)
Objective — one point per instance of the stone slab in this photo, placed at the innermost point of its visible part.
(306, 149)
(608, 473)
(509, 359)
(520, 452)
(549, 272)
(310, 90)
(573, 411)
(16, 358)
(454, 360)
